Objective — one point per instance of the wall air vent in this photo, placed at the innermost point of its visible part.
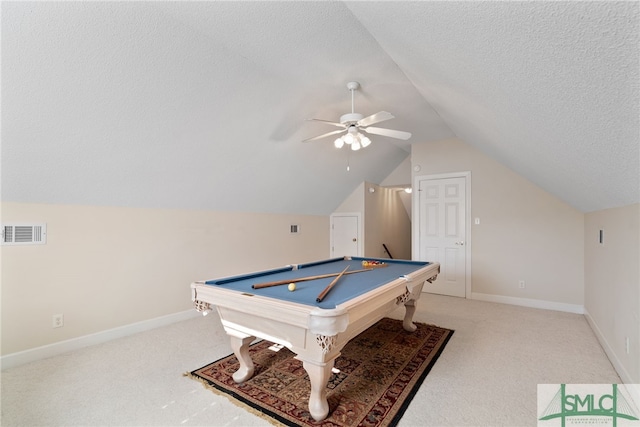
(24, 234)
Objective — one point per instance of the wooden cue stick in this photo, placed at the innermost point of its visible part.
(303, 279)
(328, 288)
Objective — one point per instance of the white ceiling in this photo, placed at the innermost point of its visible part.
(202, 105)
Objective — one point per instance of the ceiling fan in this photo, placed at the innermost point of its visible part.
(353, 123)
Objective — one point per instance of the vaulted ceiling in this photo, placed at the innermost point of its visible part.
(202, 105)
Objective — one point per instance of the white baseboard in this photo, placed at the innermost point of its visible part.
(613, 358)
(38, 353)
(528, 302)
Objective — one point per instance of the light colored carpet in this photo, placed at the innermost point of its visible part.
(486, 376)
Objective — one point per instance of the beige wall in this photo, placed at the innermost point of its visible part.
(386, 221)
(612, 284)
(353, 203)
(105, 267)
(400, 176)
(525, 233)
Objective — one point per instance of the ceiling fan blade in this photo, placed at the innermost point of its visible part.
(328, 122)
(375, 118)
(324, 135)
(398, 134)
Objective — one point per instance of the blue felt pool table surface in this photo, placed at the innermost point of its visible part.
(348, 287)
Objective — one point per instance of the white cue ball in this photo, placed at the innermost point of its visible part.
(292, 287)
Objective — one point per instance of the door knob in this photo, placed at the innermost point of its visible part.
(461, 243)
(354, 239)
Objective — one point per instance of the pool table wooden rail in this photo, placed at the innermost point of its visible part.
(247, 312)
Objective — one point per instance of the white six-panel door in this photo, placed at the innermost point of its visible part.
(441, 232)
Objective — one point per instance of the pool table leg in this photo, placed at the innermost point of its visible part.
(240, 348)
(319, 374)
(407, 323)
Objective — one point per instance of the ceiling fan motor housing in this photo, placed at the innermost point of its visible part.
(350, 118)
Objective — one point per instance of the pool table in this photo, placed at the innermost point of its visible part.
(315, 331)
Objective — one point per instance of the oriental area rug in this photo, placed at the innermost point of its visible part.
(380, 371)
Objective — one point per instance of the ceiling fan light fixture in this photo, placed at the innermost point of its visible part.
(348, 138)
(365, 141)
(339, 143)
(356, 145)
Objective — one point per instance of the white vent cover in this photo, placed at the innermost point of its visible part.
(24, 234)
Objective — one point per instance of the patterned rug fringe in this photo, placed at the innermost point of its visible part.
(233, 400)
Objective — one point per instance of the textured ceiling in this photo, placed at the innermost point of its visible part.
(202, 105)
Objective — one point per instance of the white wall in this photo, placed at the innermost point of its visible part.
(105, 267)
(612, 285)
(525, 233)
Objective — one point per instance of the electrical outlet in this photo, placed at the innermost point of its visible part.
(58, 321)
(521, 284)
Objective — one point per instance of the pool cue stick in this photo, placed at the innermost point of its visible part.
(328, 288)
(303, 279)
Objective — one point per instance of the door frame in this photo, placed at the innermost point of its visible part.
(360, 230)
(415, 226)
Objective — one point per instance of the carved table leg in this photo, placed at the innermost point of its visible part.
(318, 376)
(407, 323)
(240, 348)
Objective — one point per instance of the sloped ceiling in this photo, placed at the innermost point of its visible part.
(202, 105)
